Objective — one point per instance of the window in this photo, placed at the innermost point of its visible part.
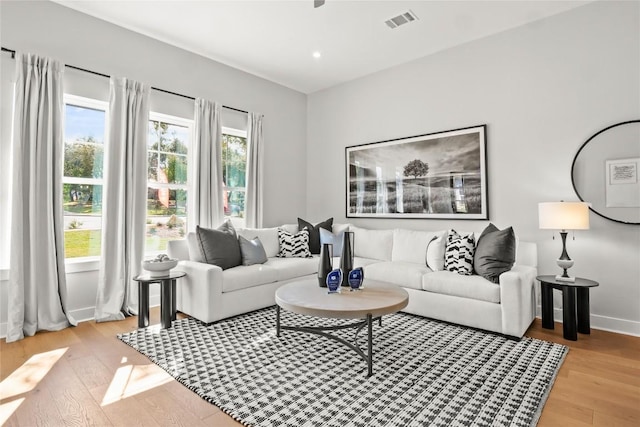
(234, 167)
(167, 150)
(84, 132)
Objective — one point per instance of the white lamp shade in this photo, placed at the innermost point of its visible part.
(563, 215)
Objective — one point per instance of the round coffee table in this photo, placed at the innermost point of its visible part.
(372, 302)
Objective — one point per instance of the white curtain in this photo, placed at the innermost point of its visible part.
(124, 199)
(37, 290)
(253, 203)
(206, 207)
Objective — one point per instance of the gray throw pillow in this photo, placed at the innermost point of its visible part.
(220, 246)
(252, 251)
(495, 252)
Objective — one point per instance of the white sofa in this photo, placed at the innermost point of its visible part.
(403, 257)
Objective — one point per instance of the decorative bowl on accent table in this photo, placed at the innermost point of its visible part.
(160, 265)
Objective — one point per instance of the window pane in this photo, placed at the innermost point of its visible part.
(166, 217)
(166, 203)
(234, 160)
(168, 137)
(82, 220)
(152, 172)
(234, 203)
(83, 124)
(176, 169)
(83, 163)
(83, 160)
(234, 166)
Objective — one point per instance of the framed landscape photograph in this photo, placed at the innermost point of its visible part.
(434, 176)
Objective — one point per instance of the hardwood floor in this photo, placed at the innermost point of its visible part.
(85, 376)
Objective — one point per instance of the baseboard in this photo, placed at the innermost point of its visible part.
(603, 323)
(84, 314)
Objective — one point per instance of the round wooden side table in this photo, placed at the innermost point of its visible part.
(167, 297)
(575, 299)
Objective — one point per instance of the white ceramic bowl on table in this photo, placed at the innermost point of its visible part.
(159, 268)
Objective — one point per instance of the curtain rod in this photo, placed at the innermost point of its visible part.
(13, 55)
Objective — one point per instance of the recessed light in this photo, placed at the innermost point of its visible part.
(317, 54)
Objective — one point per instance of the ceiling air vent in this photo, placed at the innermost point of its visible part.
(401, 19)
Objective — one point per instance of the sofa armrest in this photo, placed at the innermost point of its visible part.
(199, 292)
(517, 298)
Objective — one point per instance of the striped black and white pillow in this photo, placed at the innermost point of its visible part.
(458, 254)
(294, 245)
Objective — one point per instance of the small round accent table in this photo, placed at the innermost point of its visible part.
(167, 297)
(575, 298)
(370, 303)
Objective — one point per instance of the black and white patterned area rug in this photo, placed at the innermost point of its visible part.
(425, 372)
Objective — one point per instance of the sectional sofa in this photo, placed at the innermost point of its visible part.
(408, 258)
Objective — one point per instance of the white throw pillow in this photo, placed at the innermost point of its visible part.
(458, 255)
(435, 251)
(268, 237)
(375, 244)
(411, 245)
(194, 248)
(294, 245)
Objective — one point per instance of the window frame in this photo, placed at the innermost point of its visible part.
(78, 264)
(239, 222)
(187, 187)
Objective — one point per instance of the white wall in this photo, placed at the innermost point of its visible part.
(55, 31)
(542, 89)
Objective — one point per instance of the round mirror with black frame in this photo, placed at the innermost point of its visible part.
(606, 172)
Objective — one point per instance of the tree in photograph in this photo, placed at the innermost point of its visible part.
(416, 168)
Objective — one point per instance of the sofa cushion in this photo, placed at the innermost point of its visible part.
(450, 283)
(411, 245)
(291, 228)
(435, 251)
(376, 244)
(458, 253)
(339, 228)
(290, 268)
(252, 251)
(495, 252)
(406, 274)
(247, 276)
(219, 246)
(357, 261)
(294, 245)
(268, 237)
(314, 232)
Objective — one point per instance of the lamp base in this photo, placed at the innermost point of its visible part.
(565, 279)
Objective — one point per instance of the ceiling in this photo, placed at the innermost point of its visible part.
(276, 39)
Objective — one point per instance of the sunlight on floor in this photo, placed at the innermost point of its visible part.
(26, 378)
(130, 380)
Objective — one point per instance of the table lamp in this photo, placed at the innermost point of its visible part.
(564, 216)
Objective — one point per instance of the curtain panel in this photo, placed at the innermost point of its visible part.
(37, 293)
(206, 207)
(253, 204)
(124, 199)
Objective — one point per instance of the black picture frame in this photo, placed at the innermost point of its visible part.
(441, 175)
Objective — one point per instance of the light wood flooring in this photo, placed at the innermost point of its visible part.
(85, 376)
